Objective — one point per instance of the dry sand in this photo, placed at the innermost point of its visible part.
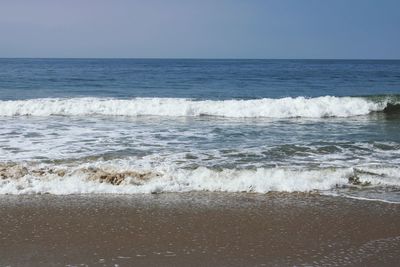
(197, 229)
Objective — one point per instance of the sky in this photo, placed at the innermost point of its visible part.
(336, 29)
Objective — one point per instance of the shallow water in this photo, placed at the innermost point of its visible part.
(226, 125)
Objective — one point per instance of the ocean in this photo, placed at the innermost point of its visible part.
(128, 126)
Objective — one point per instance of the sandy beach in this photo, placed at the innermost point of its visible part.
(197, 229)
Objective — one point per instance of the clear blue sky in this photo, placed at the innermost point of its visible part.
(201, 28)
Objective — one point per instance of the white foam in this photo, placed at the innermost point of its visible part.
(366, 198)
(169, 179)
(326, 106)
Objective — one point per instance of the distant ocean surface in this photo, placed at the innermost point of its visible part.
(129, 126)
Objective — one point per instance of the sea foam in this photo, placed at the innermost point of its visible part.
(115, 179)
(318, 107)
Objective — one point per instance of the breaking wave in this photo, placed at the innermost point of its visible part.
(318, 107)
(116, 179)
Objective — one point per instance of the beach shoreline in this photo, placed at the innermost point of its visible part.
(197, 229)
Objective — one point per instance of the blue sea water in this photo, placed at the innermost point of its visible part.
(329, 126)
(196, 78)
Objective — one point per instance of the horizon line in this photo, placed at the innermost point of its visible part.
(205, 58)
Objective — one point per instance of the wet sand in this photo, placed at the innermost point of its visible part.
(197, 229)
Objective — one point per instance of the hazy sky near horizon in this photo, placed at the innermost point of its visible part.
(356, 29)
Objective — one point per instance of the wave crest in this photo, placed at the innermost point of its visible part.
(81, 179)
(318, 107)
